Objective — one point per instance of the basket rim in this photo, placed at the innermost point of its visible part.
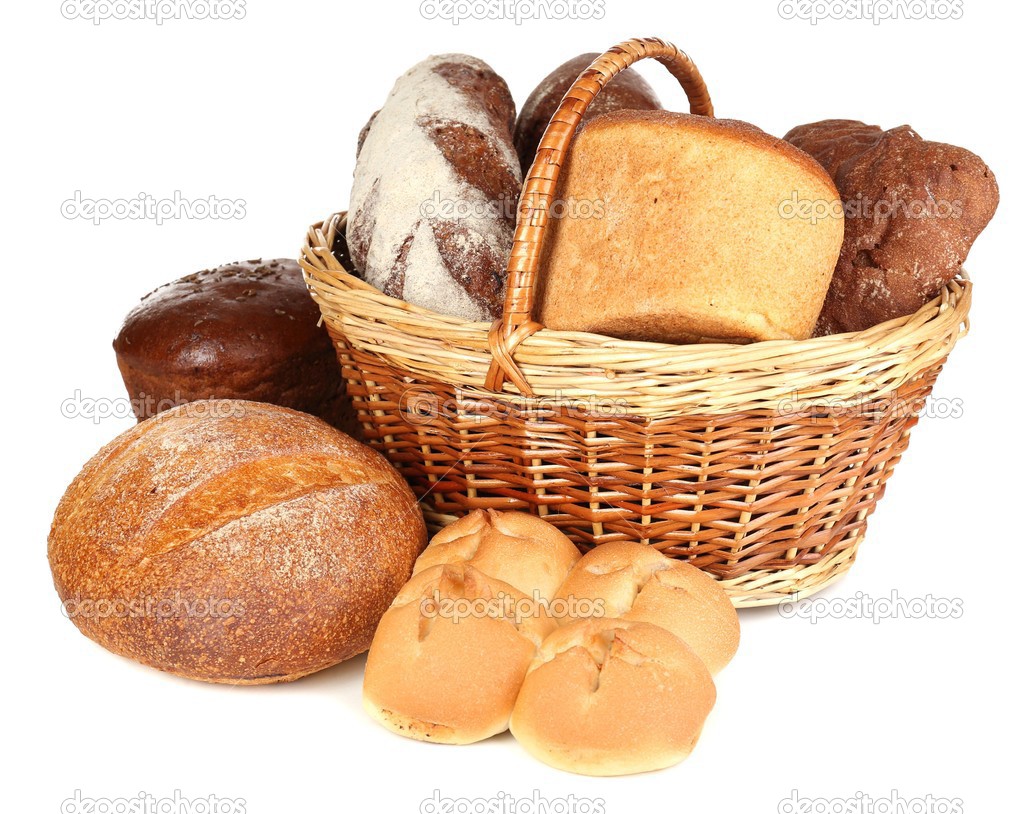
(426, 344)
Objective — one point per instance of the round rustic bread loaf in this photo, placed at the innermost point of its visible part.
(913, 210)
(234, 542)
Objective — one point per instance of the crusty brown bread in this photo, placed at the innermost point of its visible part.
(433, 201)
(834, 141)
(516, 547)
(450, 654)
(611, 697)
(637, 582)
(245, 330)
(913, 210)
(627, 91)
(686, 235)
(257, 543)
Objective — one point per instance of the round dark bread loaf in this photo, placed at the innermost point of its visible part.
(245, 330)
(627, 91)
(234, 542)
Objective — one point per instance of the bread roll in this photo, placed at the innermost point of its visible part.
(612, 697)
(687, 215)
(515, 547)
(628, 90)
(450, 654)
(913, 210)
(637, 582)
(234, 542)
(436, 185)
(246, 330)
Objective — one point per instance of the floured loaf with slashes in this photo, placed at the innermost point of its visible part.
(437, 180)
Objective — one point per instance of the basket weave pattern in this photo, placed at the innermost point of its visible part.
(759, 463)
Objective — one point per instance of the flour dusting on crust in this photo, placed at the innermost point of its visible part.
(443, 138)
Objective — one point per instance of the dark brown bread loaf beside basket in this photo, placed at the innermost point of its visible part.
(245, 330)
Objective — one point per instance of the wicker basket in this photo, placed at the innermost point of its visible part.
(759, 463)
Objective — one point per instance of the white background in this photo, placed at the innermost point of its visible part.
(267, 109)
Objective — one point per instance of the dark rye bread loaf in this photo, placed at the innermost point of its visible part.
(913, 210)
(245, 330)
(257, 544)
(627, 91)
(432, 209)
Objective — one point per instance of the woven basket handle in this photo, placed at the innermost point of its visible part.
(517, 323)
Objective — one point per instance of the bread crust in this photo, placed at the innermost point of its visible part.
(627, 91)
(693, 224)
(451, 677)
(637, 582)
(913, 210)
(432, 208)
(244, 330)
(516, 547)
(298, 534)
(610, 697)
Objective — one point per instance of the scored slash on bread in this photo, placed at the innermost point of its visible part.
(637, 582)
(516, 547)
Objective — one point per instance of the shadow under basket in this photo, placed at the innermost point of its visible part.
(758, 463)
